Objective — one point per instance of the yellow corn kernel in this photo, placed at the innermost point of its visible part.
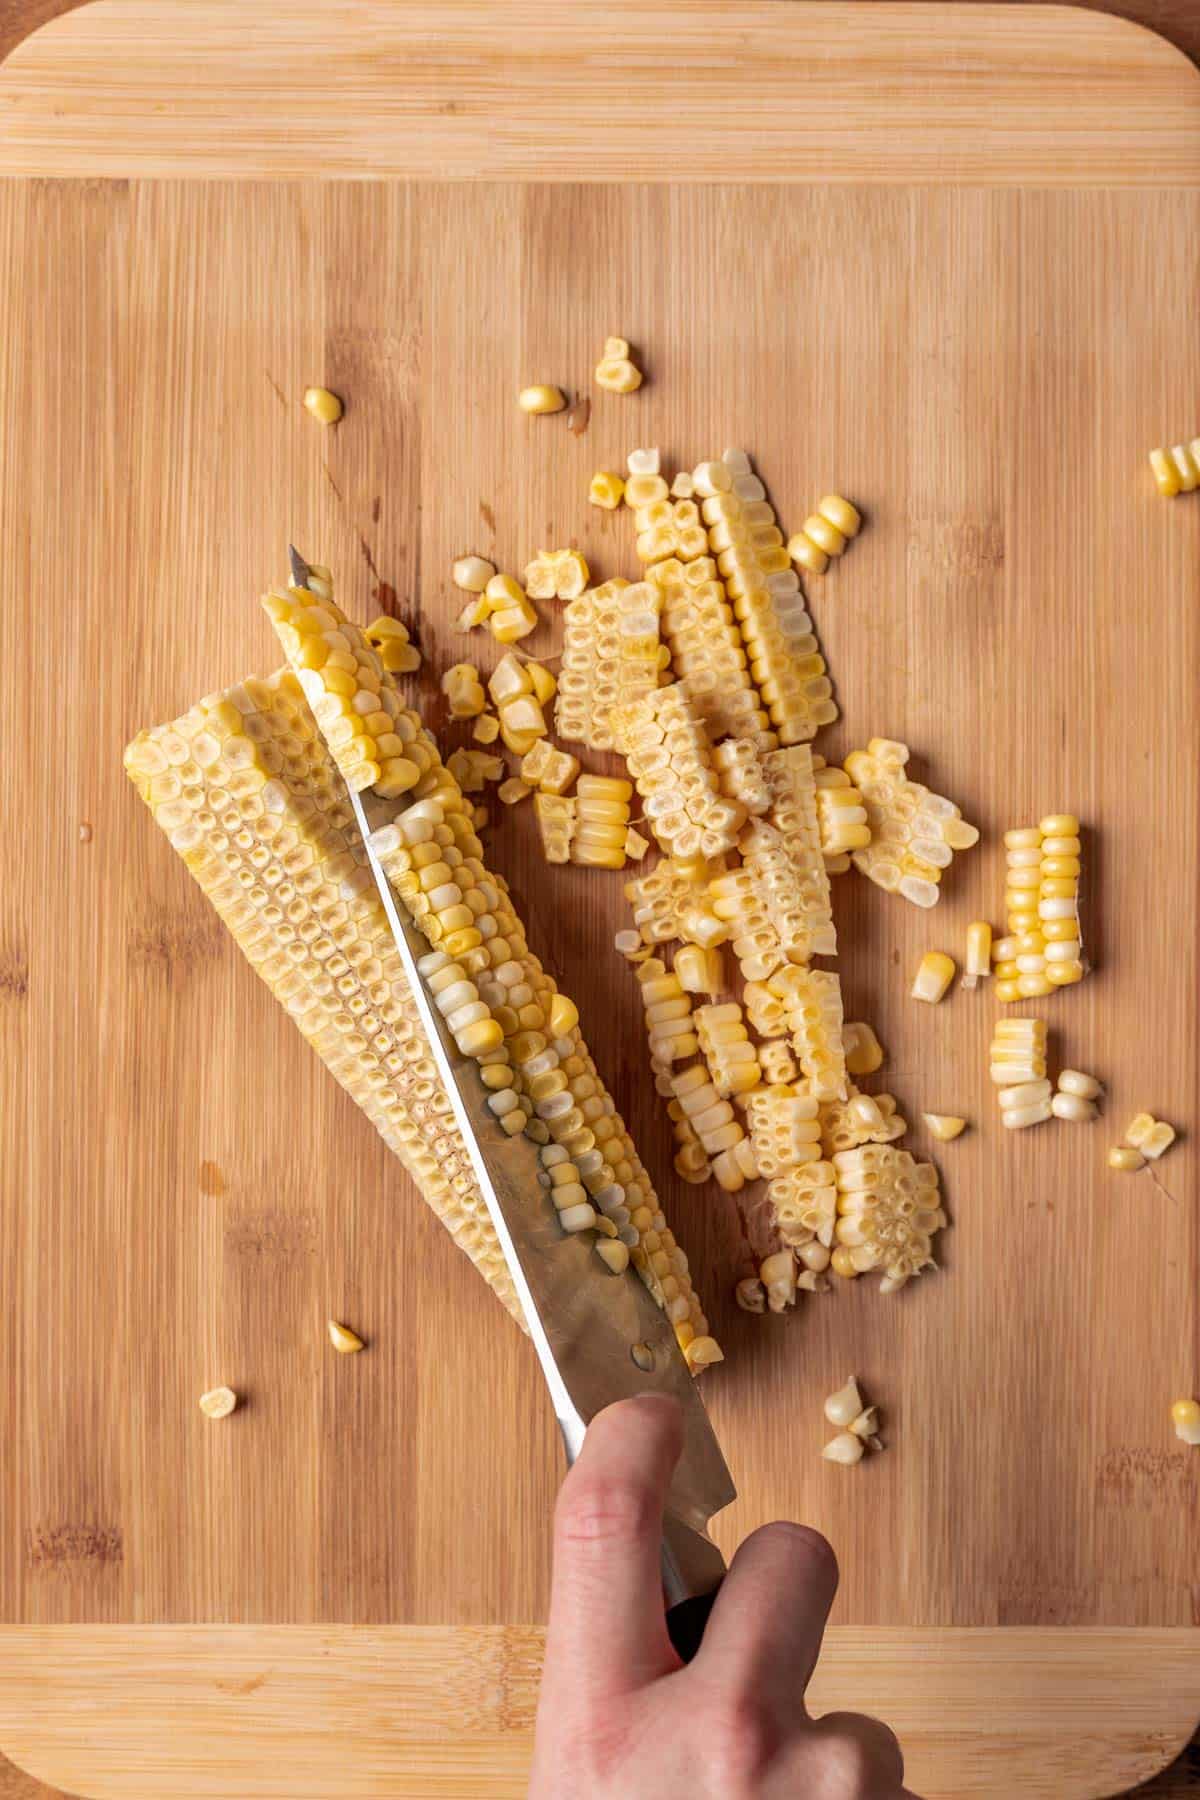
(323, 405)
(1123, 1156)
(557, 575)
(1185, 1416)
(475, 612)
(343, 1339)
(522, 716)
(945, 1127)
(472, 573)
(486, 729)
(463, 689)
(510, 623)
(807, 555)
(1058, 825)
(1149, 1135)
(823, 534)
(841, 515)
(934, 975)
(616, 370)
(541, 399)
(519, 742)
(842, 1263)
(636, 845)
(544, 684)
(218, 1403)
(698, 970)
(512, 790)
(864, 1052)
(979, 953)
(606, 490)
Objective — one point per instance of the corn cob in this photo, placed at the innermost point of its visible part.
(249, 796)
(812, 1002)
(726, 1048)
(556, 822)
(706, 650)
(785, 659)
(465, 912)
(1043, 949)
(859, 1119)
(841, 816)
(611, 657)
(667, 750)
(601, 821)
(914, 833)
(785, 1129)
(888, 1213)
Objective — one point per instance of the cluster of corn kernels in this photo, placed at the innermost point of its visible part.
(715, 1124)
(726, 1048)
(616, 369)
(741, 911)
(555, 815)
(1177, 471)
(792, 779)
(707, 654)
(860, 1119)
(556, 575)
(611, 657)
(516, 693)
(811, 1001)
(249, 796)
(390, 641)
(699, 970)
(824, 534)
(785, 1127)
(342, 679)
(667, 751)
(1146, 1138)
(741, 775)
(914, 833)
(502, 605)
(1017, 1067)
(777, 1063)
(1042, 950)
(665, 527)
(803, 1203)
(798, 919)
(841, 816)
(548, 770)
(785, 658)
(601, 821)
(670, 1025)
(889, 1211)
(672, 901)
(464, 691)
(691, 1159)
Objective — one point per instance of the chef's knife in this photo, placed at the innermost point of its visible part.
(599, 1337)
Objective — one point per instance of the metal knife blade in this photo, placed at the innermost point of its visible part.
(584, 1324)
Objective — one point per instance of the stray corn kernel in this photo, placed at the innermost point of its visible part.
(1124, 1157)
(541, 399)
(934, 975)
(945, 1127)
(845, 1448)
(1149, 1135)
(343, 1339)
(864, 1052)
(1185, 1416)
(544, 685)
(218, 1403)
(1070, 1106)
(979, 953)
(1177, 471)
(751, 1295)
(844, 1406)
(824, 534)
(616, 370)
(323, 405)
(606, 490)
(512, 790)
(636, 845)
(472, 573)
(1074, 1081)
(486, 728)
(613, 1252)
(464, 690)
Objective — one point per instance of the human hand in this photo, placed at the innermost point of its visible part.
(619, 1717)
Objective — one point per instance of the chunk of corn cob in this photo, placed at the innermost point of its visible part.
(812, 1005)
(610, 657)
(785, 1128)
(914, 833)
(667, 751)
(1177, 471)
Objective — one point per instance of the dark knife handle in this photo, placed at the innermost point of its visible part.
(686, 1622)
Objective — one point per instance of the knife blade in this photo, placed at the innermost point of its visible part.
(599, 1337)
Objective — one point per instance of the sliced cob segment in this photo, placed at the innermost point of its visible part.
(889, 1211)
(611, 657)
(707, 653)
(914, 832)
(667, 750)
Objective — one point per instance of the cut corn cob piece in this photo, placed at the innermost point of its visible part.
(706, 649)
(914, 833)
(556, 575)
(803, 1206)
(667, 751)
(551, 771)
(784, 1126)
(1043, 950)
(1177, 471)
(841, 816)
(791, 780)
(726, 1048)
(601, 821)
(556, 821)
(889, 1211)
(343, 680)
(670, 1025)
(812, 1005)
(860, 1119)
(785, 659)
(611, 657)
(1018, 1052)
(390, 641)
(824, 534)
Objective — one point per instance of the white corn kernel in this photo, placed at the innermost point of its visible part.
(844, 1406)
(1185, 1416)
(1073, 1081)
(1018, 1118)
(218, 1403)
(933, 977)
(472, 573)
(1070, 1106)
(845, 1448)
(1125, 1157)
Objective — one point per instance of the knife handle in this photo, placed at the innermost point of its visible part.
(686, 1622)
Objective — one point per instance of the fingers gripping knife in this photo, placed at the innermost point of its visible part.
(598, 1337)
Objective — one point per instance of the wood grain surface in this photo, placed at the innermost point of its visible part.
(192, 1197)
(890, 93)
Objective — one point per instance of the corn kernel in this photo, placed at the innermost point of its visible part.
(606, 490)
(472, 573)
(945, 1127)
(1123, 1156)
(1185, 1416)
(218, 1403)
(1070, 1106)
(544, 684)
(1149, 1135)
(343, 1339)
(323, 405)
(979, 953)
(1085, 1087)
(807, 555)
(617, 372)
(864, 1053)
(512, 790)
(542, 399)
(933, 977)
(486, 728)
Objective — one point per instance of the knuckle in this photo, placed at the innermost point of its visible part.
(606, 1510)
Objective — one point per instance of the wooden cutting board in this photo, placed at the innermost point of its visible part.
(943, 261)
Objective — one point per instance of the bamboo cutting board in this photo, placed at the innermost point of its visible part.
(943, 261)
